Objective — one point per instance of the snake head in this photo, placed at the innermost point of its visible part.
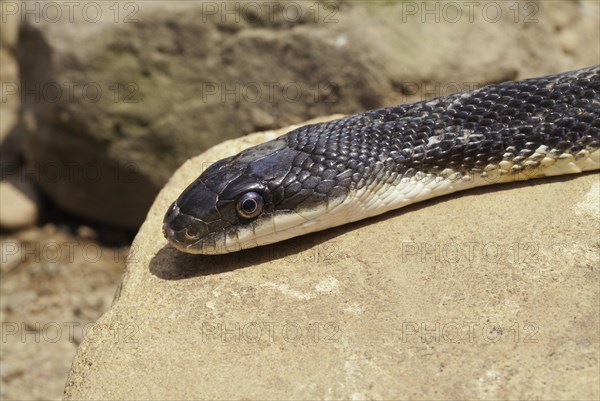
(206, 216)
(215, 212)
(260, 196)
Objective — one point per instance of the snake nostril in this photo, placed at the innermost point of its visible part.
(192, 233)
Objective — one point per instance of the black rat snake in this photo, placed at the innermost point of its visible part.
(324, 175)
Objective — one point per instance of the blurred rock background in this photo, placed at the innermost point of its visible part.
(102, 101)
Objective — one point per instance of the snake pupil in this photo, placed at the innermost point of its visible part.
(249, 205)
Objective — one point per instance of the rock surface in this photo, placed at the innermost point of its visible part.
(489, 294)
(115, 100)
(19, 204)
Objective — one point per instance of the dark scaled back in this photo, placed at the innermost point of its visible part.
(464, 132)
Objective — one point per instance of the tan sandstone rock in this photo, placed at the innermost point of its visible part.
(489, 294)
(19, 204)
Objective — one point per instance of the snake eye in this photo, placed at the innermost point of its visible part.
(191, 233)
(250, 205)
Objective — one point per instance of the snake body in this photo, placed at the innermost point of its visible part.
(324, 175)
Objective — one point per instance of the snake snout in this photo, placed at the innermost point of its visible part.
(170, 216)
(182, 230)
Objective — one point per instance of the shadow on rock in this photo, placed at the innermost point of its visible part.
(171, 264)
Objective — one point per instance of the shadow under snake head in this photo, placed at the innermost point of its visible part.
(240, 202)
